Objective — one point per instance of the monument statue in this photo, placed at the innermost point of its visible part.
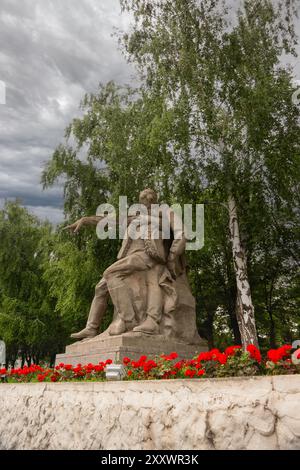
(147, 284)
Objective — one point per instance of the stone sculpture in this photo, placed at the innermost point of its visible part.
(148, 284)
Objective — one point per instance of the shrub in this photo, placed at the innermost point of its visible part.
(233, 362)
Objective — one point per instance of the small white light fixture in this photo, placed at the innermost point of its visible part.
(3, 377)
(2, 353)
(115, 372)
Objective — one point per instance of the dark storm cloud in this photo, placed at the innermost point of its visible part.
(51, 54)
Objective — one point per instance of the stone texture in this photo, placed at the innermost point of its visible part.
(238, 413)
(130, 344)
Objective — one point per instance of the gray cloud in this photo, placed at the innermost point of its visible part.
(52, 53)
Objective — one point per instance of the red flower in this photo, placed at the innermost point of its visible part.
(173, 355)
(231, 350)
(149, 365)
(98, 368)
(179, 364)
(276, 355)
(190, 373)
(254, 352)
(221, 358)
(198, 365)
(286, 347)
(214, 351)
(285, 350)
(170, 357)
(273, 355)
(191, 368)
(204, 356)
(142, 359)
(213, 355)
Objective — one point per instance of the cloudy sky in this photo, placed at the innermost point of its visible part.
(52, 52)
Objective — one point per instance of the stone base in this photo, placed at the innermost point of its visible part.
(239, 413)
(132, 345)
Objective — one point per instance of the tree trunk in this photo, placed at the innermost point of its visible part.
(231, 307)
(52, 360)
(272, 331)
(244, 306)
(235, 327)
(210, 329)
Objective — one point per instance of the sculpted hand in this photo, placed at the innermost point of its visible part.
(74, 228)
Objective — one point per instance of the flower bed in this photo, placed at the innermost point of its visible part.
(233, 362)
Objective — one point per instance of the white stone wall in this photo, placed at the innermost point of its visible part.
(239, 413)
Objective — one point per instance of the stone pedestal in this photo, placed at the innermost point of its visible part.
(132, 345)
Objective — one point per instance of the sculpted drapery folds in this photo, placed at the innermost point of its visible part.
(147, 284)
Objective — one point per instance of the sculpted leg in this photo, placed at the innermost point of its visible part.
(154, 303)
(121, 296)
(97, 311)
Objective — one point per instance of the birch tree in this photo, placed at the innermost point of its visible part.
(226, 67)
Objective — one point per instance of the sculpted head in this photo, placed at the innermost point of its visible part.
(148, 197)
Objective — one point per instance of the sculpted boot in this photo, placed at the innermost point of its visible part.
(118, 327)
(122, 301)
(85, 333)
(148, 326)
(96, 314)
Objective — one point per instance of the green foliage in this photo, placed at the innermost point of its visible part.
(28, 323)
(71, 275)
(204, 80)
(241, 138)
(213, 115)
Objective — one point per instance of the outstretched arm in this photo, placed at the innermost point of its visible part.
(93, 220)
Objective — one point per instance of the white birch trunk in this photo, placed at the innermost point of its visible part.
(244, 306)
